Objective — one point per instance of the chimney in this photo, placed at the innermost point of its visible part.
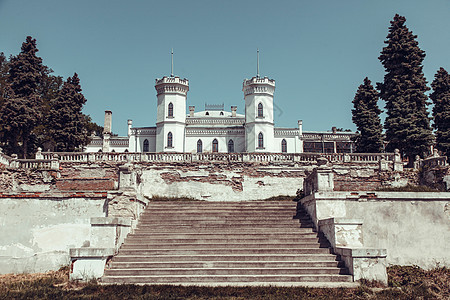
(108, 122)
(233, 111)
(130, 123)
(191, 111)
(300, 127)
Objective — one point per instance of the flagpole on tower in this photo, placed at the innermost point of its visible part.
(171, 70)
(257, 63)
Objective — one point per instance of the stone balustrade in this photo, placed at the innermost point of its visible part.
(236, 157)
(5, 159)
(433, 162)
(51, 160)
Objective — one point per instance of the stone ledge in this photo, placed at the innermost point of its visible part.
(361, 252)
(111, 221)
(56, 195)
(340, 221)
(90, 252)
(378, 196)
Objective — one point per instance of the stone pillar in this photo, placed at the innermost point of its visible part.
(233, 111)
(107, 130)
(39, 154)
(398, 164)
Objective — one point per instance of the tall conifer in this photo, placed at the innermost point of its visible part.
(68, 124)
(407, 123)
(366, 116)
(23, 112)
(441, 109)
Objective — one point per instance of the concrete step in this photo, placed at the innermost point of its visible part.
(198, 251)
(226, 235)
(185, 219)
(224, 271)
(231, 279)
(217, 246)
(228, 264)
(232, 240)
(223, 226)
(224, 257)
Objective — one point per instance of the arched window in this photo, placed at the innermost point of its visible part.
(169, 140)
(260, 110)
(145, 148)
(199, 146)
(283, 146)
(170, 113)
(215, 146)
(230, 146)
(260, 140)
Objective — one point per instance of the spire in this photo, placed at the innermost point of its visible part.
(171, 70)
(257, 63)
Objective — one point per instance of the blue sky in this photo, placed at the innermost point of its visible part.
(317, 51)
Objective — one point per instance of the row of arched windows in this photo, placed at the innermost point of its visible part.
(215, 144)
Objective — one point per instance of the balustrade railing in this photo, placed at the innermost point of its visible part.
(433, 162)
(51, 160)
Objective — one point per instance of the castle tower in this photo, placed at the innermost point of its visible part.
(171, 113)
(258, 96)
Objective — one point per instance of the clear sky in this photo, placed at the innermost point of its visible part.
(317, 51)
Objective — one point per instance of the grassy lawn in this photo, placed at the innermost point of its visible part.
(404, 283)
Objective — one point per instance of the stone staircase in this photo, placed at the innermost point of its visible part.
(226, 243)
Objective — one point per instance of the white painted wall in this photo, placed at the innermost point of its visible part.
(36, 234)
(413, 227)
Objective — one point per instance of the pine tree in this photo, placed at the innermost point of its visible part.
(407, 123)
(366, 116)
(68, 124)
(23, 112)
(441, 109)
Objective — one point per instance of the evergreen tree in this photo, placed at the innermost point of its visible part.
(366, 116)
(68, 124)
(441, 109)
(23, 112)
(407, 123)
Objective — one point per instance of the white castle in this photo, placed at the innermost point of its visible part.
(217, 130)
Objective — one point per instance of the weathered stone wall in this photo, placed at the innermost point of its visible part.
(413, 227)
(39, 228)
(218, 181)
(364, 178)
(437, 177)
(70, 177)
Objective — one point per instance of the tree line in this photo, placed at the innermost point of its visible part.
(38, 109)
(407, 124)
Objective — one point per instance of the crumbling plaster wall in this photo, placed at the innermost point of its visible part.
(218, 181)
(38, 230)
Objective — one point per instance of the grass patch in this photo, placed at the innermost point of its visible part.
(162, 199)
(408, 188)
(404, 283)
(280, 198)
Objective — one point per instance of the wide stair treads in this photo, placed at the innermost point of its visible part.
(226, 243)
